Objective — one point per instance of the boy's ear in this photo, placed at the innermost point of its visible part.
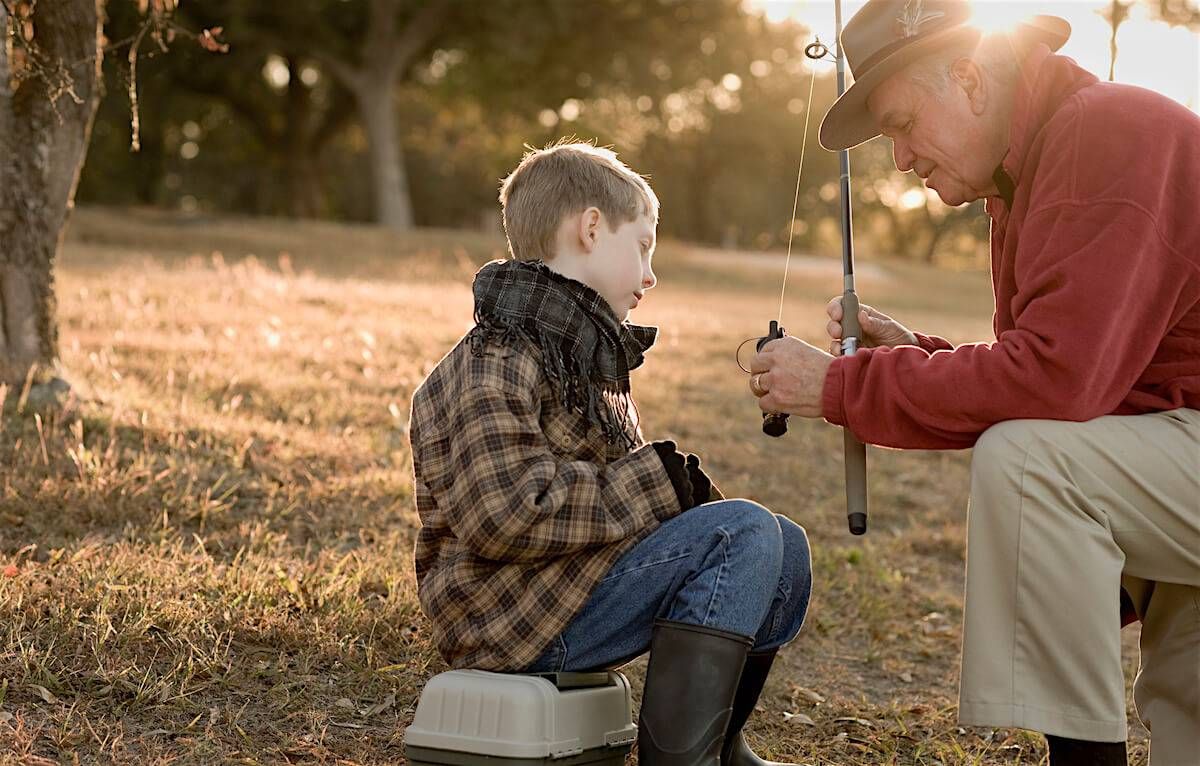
(589, 228)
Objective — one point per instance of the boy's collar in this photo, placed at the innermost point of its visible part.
(586, 352)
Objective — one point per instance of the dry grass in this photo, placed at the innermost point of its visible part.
(207, 556)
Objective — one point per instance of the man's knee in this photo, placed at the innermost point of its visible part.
(1003, 443)
(998, 464)
(1011, 450)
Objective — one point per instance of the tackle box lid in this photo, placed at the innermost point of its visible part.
(510, 715)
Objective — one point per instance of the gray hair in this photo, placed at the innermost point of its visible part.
(998, 55)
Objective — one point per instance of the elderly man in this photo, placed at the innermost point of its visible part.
(1084, 411)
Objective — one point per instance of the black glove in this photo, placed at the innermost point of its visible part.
(702, 486)
(675, 464)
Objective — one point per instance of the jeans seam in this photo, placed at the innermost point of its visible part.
(720, 571)
(562, 652)
(785, 593)
(674, 557)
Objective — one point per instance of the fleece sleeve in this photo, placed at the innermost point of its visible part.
(1097, 288)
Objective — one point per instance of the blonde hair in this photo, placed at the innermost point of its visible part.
(562, 179)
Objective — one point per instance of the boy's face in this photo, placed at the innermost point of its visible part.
(618, 265)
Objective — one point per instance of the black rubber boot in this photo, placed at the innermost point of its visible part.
(688, 697)
(736, 752)
(1078, 752)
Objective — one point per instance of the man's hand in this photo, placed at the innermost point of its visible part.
(878, 329)
(788, 375)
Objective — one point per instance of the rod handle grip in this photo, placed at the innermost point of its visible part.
(855, 451)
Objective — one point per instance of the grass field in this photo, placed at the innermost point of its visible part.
(206, 556)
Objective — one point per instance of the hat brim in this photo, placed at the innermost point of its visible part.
(849, 123)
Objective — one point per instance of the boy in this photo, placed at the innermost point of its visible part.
(553, 537)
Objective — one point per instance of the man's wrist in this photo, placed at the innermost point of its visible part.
(831, 393)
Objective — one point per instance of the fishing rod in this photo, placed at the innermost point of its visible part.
(855, 451)
(775, 424)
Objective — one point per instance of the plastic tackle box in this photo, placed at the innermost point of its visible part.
(470, 717)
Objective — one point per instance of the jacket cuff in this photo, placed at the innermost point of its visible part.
(931, 343)
(831, 394)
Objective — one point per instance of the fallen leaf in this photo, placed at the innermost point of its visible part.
(379, 707)
(906, 677)
(798, 718)
(45, 694)
(345, 703)
(859, 721)
(810, 695)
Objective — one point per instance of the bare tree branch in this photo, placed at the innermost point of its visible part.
(417, 34)
(339, 113)
(135, 133)
(346, 74)
(387, 51)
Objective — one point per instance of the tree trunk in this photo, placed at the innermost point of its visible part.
(389, 182)
(305, 199)
(45, 125)
(1115, 23)
(1117, 14)
(388, 51)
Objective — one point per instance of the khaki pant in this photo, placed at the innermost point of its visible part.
(1061, 516)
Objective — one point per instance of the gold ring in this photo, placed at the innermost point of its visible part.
(756, 385)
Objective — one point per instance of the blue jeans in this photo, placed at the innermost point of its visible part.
(731, 565)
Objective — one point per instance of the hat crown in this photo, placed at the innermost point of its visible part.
(882, 26)
(885, 36)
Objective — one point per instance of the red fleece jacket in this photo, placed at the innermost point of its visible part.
(1095, 273)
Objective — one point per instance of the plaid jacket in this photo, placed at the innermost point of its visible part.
(523, 507)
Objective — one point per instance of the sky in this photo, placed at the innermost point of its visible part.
(1151, 53)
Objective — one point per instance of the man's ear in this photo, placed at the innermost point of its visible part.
(968, 76)
(589, 228)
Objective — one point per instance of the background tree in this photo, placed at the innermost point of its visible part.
(295, 70)
(1116, 14)
(50, 69)
(706, 98)
(1184, 13)
(49, 89)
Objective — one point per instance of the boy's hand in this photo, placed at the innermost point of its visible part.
(675, 464)
(703, 489)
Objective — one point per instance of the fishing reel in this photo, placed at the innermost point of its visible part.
(774, 423)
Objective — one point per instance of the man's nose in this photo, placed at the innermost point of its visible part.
(903, 156)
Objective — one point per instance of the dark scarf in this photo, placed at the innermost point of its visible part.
(587, 352)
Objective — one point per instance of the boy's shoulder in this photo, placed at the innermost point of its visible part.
(513, 366)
